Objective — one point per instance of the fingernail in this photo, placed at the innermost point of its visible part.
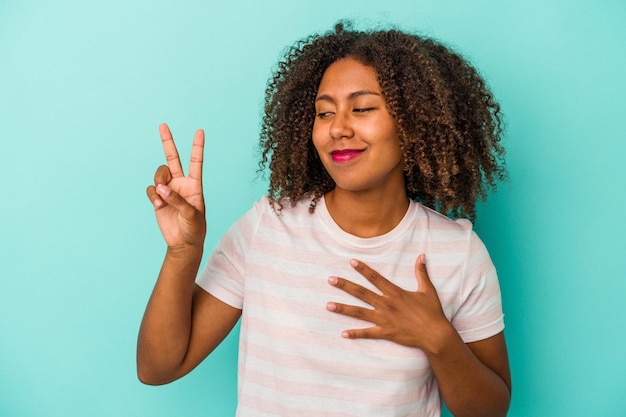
(423, 259)
(157, 203)
(345, 335)
(332, 280)
(354, 262)
(163, 190)
(331, 306)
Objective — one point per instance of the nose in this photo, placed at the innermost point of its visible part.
(341, 126)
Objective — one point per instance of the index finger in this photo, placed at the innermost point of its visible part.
(171, 153)
(371, 275)
(197, 156)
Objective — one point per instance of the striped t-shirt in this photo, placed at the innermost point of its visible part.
(292, 358)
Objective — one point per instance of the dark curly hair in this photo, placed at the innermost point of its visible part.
(448, 122)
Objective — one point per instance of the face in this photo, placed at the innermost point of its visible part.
(354, 134)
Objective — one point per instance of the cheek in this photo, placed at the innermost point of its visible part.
(392, 139)
(318, 139)
(395, 150)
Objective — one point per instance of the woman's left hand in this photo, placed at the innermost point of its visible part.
(409, 318)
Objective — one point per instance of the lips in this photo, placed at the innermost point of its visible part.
(345, 155)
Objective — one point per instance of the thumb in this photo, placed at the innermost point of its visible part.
(423, 281)
(174, 199)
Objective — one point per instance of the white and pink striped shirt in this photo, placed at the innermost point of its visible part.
(293, 361)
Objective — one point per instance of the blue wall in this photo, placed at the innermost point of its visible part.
(84, 85)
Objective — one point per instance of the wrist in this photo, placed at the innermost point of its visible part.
(185, 253)
(442, 337)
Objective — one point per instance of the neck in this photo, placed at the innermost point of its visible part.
(366, 214)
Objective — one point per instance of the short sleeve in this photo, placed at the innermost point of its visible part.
(480, 313)
(223, 276)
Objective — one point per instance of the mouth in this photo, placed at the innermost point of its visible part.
(345, 155)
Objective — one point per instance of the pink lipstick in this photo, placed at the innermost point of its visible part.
(345, 155)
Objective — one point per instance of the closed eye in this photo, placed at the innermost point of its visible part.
(363, 109)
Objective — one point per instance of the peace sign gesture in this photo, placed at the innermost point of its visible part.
(177, 199)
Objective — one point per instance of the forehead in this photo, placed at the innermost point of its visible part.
(346, 76)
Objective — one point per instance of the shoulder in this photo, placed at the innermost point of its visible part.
(271, 215)
(284, 207)
(438, 223)
(459, 230)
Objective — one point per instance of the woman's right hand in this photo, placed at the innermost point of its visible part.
(177, 199)
(182, 323)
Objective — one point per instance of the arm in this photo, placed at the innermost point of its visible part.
(474, 379)
(182, 323)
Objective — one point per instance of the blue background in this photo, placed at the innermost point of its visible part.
(84, 85)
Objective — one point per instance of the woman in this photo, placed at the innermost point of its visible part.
(340, 315)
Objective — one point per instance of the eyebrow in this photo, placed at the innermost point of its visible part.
(326, 97)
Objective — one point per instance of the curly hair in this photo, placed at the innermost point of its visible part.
(448, 121)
